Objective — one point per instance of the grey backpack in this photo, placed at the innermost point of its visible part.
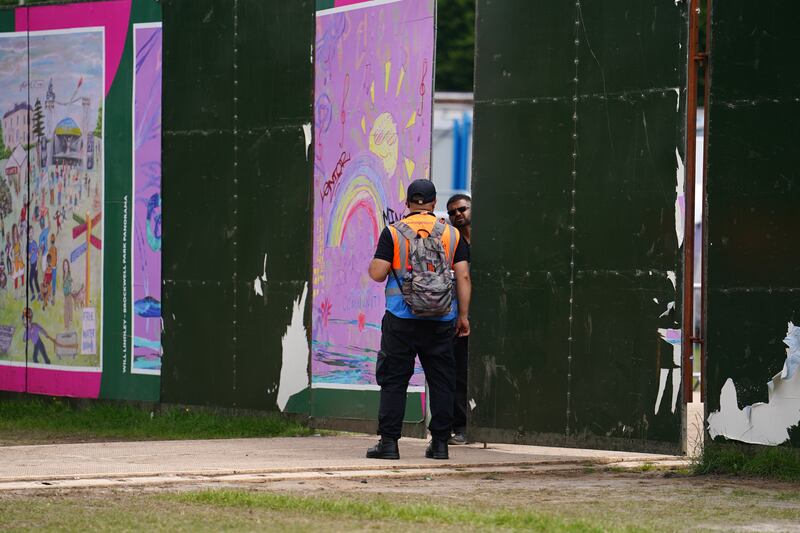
(427, 286)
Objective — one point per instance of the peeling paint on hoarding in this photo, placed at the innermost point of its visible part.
(763, 423)
(669, 309)
(259, 279)
(673, 337)
(679, 198)
(307, 135)
(294, 343)
(672, 279)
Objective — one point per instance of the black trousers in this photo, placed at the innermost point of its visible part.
(461, 353)
(401, 341)
(33, 279)
(39, 348)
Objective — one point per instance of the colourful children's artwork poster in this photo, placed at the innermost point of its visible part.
(372, 131)
(51, 209)
(146, 237)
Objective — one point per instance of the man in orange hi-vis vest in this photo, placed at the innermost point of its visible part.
(415, 257)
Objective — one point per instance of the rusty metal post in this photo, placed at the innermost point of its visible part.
(687, 327)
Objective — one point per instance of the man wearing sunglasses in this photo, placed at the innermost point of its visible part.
(459, 209)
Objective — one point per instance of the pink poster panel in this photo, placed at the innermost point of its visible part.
(372, 132)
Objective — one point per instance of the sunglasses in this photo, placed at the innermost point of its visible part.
(461, 209)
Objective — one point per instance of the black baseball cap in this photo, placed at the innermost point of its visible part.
(421, 191)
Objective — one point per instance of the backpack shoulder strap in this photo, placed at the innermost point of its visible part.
(438, 229)
(404, 236)
(405, 230)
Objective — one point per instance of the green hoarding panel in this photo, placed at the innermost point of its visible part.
(578, 191)
(237, 92)
(274, 190)
(121, 376)
(753, 272)
(6, 20)
(329, 403)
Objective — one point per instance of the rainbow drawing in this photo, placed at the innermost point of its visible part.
(361, 188)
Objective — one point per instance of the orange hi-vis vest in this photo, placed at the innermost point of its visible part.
(422, 223)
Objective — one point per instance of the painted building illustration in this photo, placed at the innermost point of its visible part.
(15, 125)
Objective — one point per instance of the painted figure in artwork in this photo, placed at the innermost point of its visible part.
(46, 284)
(19, 264)
(66, 283)
(52, 264)
(33, 334)
(33, 265)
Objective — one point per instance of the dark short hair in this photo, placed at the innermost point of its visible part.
(457, 197)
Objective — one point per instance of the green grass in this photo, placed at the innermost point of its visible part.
(644, 467)
(788, 496)
(25, 421)
(779, 463)
(568, 501)
(382, 510)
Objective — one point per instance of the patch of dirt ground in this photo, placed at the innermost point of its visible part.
(604, 499)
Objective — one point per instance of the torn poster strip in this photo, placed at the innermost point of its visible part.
(763, 423)
(307, 135)
(259, 279)
(680, 200)
(673, 337)
(294, 366)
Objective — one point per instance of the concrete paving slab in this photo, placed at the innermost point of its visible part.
(61, 465)
(168, 480)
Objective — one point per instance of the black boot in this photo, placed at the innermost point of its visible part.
(437, 449)
(385, 449)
